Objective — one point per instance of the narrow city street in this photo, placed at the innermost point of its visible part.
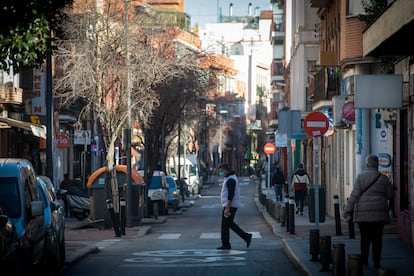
(186, 245)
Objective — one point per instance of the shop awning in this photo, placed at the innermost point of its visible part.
(35, 129)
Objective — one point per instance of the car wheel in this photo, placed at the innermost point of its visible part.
(53, 256)
(62, 249)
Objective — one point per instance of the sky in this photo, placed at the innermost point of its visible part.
(205, 11)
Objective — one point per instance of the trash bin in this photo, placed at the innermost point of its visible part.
(311, 204)
(97, 199)
(137, 210)
(96, 186)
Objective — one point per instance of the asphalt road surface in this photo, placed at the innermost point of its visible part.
(186, 244)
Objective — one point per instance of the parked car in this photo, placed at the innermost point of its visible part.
(20, 201)
(54, 223)
(8, 238)
(173, 193)
(157, 192)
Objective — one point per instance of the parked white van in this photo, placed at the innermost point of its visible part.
(189, 169)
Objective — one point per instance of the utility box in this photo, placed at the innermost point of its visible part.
(322, 204)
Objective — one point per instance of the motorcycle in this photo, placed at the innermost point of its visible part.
(78, 201)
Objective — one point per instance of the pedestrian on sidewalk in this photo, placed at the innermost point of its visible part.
(369, 205)
(278, 180)
(300, 183)
(230, 200)
(64, 187)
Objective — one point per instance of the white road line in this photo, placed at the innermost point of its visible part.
(169, 236)
(105, 243)
(217, 235)
(210, 235)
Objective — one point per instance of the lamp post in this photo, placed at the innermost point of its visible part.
(128, 131)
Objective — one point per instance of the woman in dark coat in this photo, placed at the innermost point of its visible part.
(369, 204)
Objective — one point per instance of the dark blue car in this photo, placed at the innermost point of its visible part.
(174, 193)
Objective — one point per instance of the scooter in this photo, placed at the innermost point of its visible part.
(78, 201)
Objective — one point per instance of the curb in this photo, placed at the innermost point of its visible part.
(79, 254)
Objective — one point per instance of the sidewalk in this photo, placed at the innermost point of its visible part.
(83, 237)
(397, 256)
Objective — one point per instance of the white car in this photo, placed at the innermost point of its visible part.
(157, 192)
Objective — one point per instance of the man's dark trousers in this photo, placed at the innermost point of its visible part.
(227, 224)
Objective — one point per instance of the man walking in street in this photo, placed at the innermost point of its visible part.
(230, 200)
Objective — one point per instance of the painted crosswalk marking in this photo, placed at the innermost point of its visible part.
(186, 258)
(169, 236)
(212, 235)
(105, 243)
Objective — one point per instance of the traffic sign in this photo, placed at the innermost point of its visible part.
(62, 141)
(316, 124)
(269, 148)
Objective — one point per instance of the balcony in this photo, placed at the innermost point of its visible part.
(324, 86)
(11, 95)
(391, 33)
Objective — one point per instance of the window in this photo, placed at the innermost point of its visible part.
(9, 197)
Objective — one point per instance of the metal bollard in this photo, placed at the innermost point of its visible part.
(325, 252)
(282, 213)
(123, 215)
(314, 244)
(156, 210)
(287, 212)
(355, 265)
(351, 227)
(337, 216)
(291, 215)
(110, 207)
(338, 259)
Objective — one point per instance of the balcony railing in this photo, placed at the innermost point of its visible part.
(325, 84)
(11, 95)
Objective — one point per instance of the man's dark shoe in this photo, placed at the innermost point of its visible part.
(249, 239)
(224, 248)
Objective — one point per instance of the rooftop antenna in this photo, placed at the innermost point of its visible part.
(218, 12)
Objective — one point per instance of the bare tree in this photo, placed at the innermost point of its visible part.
(91, 66)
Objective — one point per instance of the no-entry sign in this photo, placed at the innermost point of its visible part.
(316, 124)
(269, 148)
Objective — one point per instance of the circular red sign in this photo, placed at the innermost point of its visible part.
(348, 112)
(316, 124)
(62, 141)
(269, 148)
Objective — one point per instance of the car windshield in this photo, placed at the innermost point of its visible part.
(155, 183)
(9, 197)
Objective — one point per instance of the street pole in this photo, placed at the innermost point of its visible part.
(316, 177)
(128, 132)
